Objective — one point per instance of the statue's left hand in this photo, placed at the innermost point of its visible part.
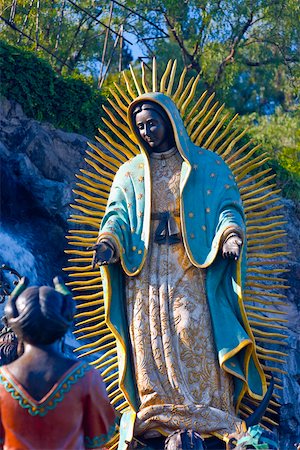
(232, 247)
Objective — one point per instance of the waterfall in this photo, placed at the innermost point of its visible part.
(15, 252)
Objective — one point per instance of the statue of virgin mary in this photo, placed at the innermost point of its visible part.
(172, 252)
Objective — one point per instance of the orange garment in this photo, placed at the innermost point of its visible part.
(75, 414)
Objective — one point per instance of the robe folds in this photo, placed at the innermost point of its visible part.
(210, 206)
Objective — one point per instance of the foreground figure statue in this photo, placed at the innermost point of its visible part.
(48, 400)
(172, 257)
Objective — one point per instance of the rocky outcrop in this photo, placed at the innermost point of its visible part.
(38, 164)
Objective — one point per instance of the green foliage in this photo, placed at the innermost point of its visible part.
(248, 51)
(70, 103)
(72, 32)
(279, 135)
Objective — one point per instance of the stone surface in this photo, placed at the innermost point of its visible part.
(38, 164)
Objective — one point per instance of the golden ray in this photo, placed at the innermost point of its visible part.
(265, 240)
(118, 110)
(100, 200)
(122, 127)
(263, 213)
(91, 188)
(90, 320)
(127, 152)
(118, 154)
(190, 96)
(89, 203)
(180, 85)
(95, 296)
(198, 116)
(251, 167)
(89, 212)
(215, 131)
(231, 144)
(245, 166)
(136, 83)
(262, 278)
(256, 185)
(128, 87)
(195, 133)
(263, 197)
(99, 170)
(122, 106)
(76, 268)
(98, 326)
(94, 233)
(106, 363)
(89, 304)
(261, 204)
(82, 282)
(95, 350)
(224, 133)
(129, 144)
(265, 310)
(231, 160)
(81, 238)
(165, 76)
(185, 93)
(258, 191)
(244, 158)
(105, 180)
(144, 79)
(93, 334)
(195, 108)
(268, 319)
(209, 126)
(265, 247)
(273, 352)
(88, 288)
(228, 140)
(90, 313)
(172, 78)
(122, 93)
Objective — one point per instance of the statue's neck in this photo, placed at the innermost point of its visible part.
(164, 155)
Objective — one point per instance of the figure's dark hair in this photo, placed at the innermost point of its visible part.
(148, 104)
(40, 315)
(8, 347)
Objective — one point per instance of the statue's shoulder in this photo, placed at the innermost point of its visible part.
(132, 162)
(129, 165)
(209, 159)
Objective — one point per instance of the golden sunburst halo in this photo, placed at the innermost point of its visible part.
(209, 128)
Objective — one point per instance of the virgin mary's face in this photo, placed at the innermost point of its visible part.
(152, 129)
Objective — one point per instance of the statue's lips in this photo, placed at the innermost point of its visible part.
(150, 141)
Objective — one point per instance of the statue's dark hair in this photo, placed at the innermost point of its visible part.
(148, 104)
(40, 315)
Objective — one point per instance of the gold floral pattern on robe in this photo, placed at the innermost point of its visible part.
(180, 383)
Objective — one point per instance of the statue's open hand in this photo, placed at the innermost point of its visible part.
(103, 254)
(232, 247)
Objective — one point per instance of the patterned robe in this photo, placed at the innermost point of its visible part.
(179, 380)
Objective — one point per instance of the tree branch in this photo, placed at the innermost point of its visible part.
(189, 60)
(230, 57)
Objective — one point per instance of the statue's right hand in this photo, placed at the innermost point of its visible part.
(103, 254)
